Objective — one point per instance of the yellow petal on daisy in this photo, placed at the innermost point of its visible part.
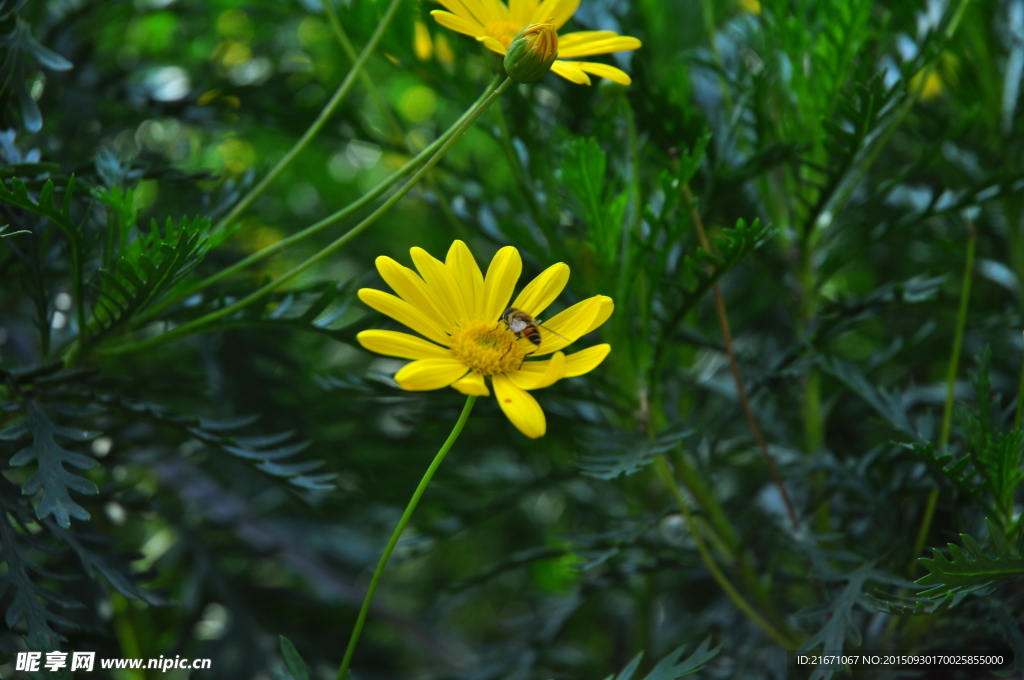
(441, 282)
(543, 290)
(607, 307)
(606, 45)
(456, 23)
(570, 72)
(401, 345)
(500, 282)
(604, 70)
(467, 274)
(402, 312)
(430, 374)
(496, 10)
(560, 11)
(470, 10)
(414, 290)
(568, 326)
(521, 11)
(577, 37)
(492, 44)
(586, 360)
(472, 384)
(539, 374)
(520, 407)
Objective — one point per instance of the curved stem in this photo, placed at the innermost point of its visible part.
(200, 323)
(357, 630)
(331, 219)
(665, 473)
(320, 121)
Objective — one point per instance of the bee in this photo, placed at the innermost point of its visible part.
(524, 326)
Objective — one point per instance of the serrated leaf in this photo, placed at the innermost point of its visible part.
(969, 567)
(51, 477)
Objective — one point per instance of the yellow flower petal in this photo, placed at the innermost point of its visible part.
(402, 345)
(469, 10)
(520, 407)
(521, 11)
(414, 290)
(607, 307)
(570, 72)
(441, 283)
(402, 312)
(569, 326)
(613, 74)
(539, 374)
(457, 23)
(496, 10)
(472, 383)
(576, 364)
(559, 10)
(422, 45)
(543, 290)
(500, 281)
(467, 274)
(492, 44)
(430, 374)
(602, 45)
(577, 37)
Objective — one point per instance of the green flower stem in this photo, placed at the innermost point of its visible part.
(353, 639)
(200, 323)
(389, 116)
(316, 228)
(954, 363)
(320, 121)
(665, 473)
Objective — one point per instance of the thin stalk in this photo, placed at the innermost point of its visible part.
(1020, 400)
(316, 228)
(389, 116)
(665, 473)
(197, 324)
(318, 124)
(357, 630)
(954, 363)
(734, 368)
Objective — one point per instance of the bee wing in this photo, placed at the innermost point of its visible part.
(540, 324)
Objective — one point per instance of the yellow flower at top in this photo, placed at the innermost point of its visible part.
(496, 25)
(466, 344)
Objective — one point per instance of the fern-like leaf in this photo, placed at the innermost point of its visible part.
(51, 477)
(969, 567)
(671, 667)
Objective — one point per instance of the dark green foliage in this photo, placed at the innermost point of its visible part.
(296, 666)
(51, 477)
(670, 667)
(234, 460)
(970, 568)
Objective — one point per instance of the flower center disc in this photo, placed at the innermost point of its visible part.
(489, 347)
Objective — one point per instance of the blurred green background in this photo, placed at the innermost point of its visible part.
(860, 142)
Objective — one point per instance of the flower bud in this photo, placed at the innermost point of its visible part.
(532, 52)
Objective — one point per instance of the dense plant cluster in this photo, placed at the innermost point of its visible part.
(807, 434)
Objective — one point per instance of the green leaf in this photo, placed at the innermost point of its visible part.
(969, 567)
(293, 660)
(670, 667)
(51, 477)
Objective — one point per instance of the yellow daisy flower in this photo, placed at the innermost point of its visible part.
(457, 308)
(496, 24)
